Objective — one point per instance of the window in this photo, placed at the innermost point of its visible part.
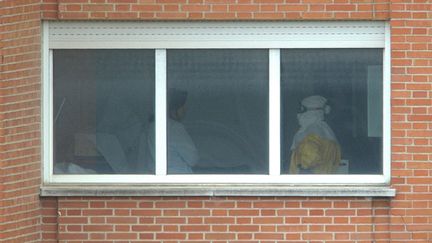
(350, 84)
(257, 103)
(102, 102)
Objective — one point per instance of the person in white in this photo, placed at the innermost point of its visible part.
(182, 152)
(315, 148)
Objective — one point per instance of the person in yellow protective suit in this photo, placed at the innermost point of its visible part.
(315, 149)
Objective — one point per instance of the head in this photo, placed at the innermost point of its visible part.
(176, 103)
(315, 102)
(313, 109)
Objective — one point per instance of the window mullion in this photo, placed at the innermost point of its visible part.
(160, 112)
(274, 112)
(48, 138)
(387, 106)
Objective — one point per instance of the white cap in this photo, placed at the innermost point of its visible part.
(316, 102)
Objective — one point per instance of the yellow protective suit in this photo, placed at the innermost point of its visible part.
(320, 155)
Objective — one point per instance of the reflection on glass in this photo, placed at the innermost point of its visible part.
(218, 111)
(331, 111)
(102, 103)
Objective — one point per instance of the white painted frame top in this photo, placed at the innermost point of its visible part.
(195, 35)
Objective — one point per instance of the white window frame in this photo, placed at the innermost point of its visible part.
(166, 35)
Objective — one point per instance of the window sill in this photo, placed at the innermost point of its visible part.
(218, 190)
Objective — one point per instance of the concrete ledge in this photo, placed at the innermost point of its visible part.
(217, 190)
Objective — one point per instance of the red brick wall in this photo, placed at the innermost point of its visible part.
(20, 121)
(412, 117)
(217, 9)
(49, 220)
(405, 218)
(232, 219)
(237, 219)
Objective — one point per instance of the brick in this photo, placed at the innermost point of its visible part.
(268, 220)
(316, 204)
(292, 212)
(269, 236)
(244, 212)
(317, 236)
(73, 204)
(97, 212)
(170, 220)
(171, 15)
(219, 228)
(317, 15)
(340, 7)
(121, 236)
(292, 228)
(195, 212)
(292, 7)
(219, 236)
(102, 228)
(146, 212)
(243, 8)
(121, 220)
(267, 8)
(122, 228)
(339, 212)
(340, 228)
(316, 220)
(98, 7)
(121, 204)
(170, 204)
(219, 220)
(243, 228)
(195, 8)
(272, 204)
(195, 220)
(219, 204)
(146, 8)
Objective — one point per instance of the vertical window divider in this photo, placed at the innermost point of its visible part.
(274, 113)
(386, 133)
(160, 112)
(51, 122)
(47, 111)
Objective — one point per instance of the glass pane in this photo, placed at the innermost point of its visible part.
(218, 111)
(103, 100)
(331, 111)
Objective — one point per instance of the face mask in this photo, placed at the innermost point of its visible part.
(299, 116)
(309, 117)
(301, 119)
